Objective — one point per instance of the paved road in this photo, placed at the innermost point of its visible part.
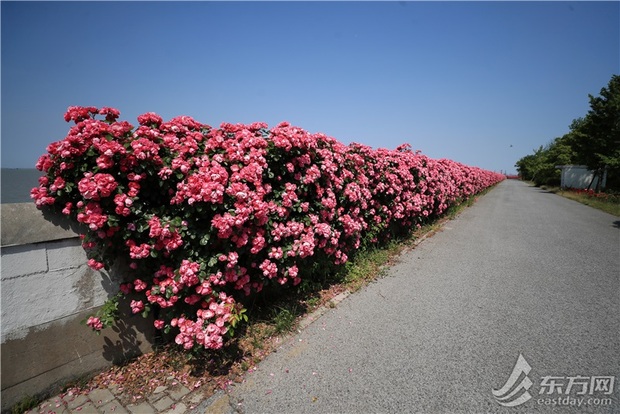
(523, 271)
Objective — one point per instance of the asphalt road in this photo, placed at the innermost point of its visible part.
(522, 271)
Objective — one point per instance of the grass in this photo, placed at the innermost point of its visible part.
(368, 266)
(608, 203)
(284, 318)
(26, 403)
(272, 317)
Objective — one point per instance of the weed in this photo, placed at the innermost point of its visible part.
(313, 302)
(284, 319)
(26, 403)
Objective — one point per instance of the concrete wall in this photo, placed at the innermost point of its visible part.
(46, 290)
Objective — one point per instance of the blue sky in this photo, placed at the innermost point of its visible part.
(458, 80)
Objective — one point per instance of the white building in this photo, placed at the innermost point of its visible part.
(578, 176)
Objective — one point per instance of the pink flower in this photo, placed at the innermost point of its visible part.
(159, 324)
(95, 323)
(139, 285)
(44, 163)
(136, 306)
(270, 269)
(92, 214)
(67, 209)
(41, 197)
(141, 251)
(79, 113)
(150, 118)
(97, 186)
(123, 204)
(59, 183)
(188, 273)
(110, 113)
(93, 264)
(145, 149)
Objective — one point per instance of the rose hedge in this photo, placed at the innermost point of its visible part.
(204, 216)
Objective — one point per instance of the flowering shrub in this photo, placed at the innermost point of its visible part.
(205, 216)
(614, 198)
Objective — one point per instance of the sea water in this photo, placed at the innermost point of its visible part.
(16, 183)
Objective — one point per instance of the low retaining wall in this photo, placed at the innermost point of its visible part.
(47, 289)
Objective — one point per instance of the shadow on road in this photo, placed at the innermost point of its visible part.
(617, 224)
(543, 190)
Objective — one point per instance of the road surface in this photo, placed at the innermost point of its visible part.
(521, 272)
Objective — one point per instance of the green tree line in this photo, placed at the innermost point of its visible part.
(593, 141)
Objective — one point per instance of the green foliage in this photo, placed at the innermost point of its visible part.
(540, 167)
(283, 318)
(593, 140)
(108, 313)
(25, 404)
(598, 140)
(237, 315)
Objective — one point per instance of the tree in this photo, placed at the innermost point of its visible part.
(593, 140)
(596, 138)
(527, 166)
(540, 167)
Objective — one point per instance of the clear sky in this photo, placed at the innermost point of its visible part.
(458, 80)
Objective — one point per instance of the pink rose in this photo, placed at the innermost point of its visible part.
(95, 323)
(136, 306)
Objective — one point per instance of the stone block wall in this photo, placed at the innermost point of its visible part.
(46, 291)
